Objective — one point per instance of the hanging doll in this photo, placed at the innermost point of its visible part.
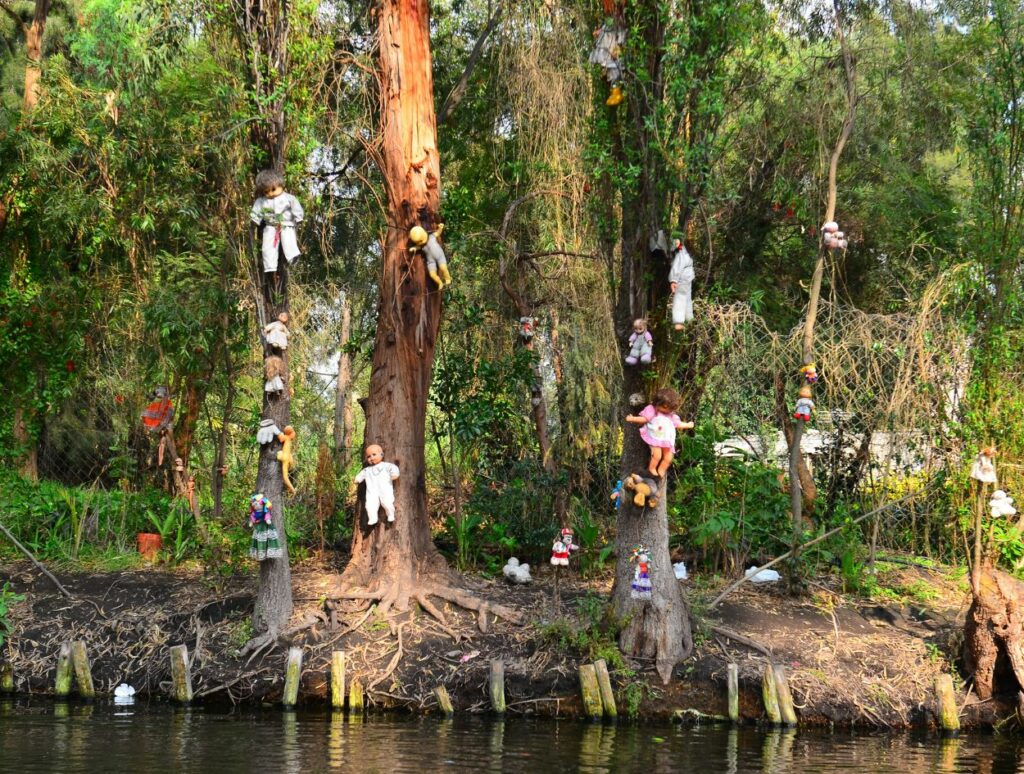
(641, 586)
(436, 261)
(832, 237)
(660, 423)
(379, 478)
(526, 325)
(810, 373)
(159, 414)
(277, 213)
(641, 343)
(562, 547)
(804, 405)
(265, 543)
(276, 332)
(681, 278)
(607, 49)
(984, 467)
(1001, 504)
(267, 432)
(274, 367)
(285, 457)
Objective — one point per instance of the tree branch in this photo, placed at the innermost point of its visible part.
(5, 6)
(459, 91)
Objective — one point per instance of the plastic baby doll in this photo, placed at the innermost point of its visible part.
(436, 261)
(984, 467)
(804, 405)
(660, 423)
(278, 213)
(680, 278)
(379, 477)
(276, 332)
(641, 344)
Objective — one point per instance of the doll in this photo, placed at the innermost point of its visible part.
(660, 423)
(436, 261)
(274, 367)
(617, 494)
(831, 237)
(562, 547)
(641, 586)
(681, 278)
(267, 431)
(265, 544)
(607, 48)
(285, 457)
(641, 344)
(1001, 504)
(379, 478)
(276, 332)
(277, 213)
(159, 414)
(984, 467)
(804, 404)
(526, 325)
(810, 372)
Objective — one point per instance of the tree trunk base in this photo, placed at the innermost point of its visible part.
(995, 631)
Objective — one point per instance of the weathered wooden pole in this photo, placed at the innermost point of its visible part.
(497, 686)
(355, 698)
(590, 691)
(949, 716)
(6, 678)
(604, 682)
(338, 679)
(292, 674)
(444, 701)
(83, 673)
(62, 687)
(770, 696)
(181, 679)
(732, 673)
(785, 698)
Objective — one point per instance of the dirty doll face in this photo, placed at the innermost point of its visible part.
(374, 454)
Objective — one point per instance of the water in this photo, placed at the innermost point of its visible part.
(40, 736)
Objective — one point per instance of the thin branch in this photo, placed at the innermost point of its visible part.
(459, 91)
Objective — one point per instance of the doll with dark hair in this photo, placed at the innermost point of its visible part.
(277, 213)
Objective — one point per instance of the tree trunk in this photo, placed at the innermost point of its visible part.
(28, 466)
(342, 399)
(995, 631)
(34, 50)
(394, 554)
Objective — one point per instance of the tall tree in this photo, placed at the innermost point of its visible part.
(33, 32)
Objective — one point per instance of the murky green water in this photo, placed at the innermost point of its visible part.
(40, 736)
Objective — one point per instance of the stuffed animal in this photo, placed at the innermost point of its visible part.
(1001, 504)
(526, 326)
(267, 432)
(277, 332)
(562, 547)
(436, 260)
(516, 572)
(287, 438)
(274, 367)
(984, 467)
(645, 490)
(804, 405)
(277, 213)
(810, 372)
(641, 344)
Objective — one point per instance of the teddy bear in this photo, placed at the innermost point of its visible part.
(645, 490)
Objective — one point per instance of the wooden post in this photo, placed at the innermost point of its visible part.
(6, 678)
(771, 698)
(604, 682)
(63, 684)
(355, 697)
(83, 674)
(733, 679)
(785, 698)
(292, 673)
(338, 679)
(181, 679)
(590, 691)
(444, 702)
(497, 686)
(949, 716)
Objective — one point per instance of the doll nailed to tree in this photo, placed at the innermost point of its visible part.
(379, 478)
(660, 423)
(641, 344)
(680, 278)
(265, 543)
(433, 252)
(277, 213)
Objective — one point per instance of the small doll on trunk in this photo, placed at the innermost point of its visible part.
(641, 344)
(434, 253)
(641, 586)
(984, 467)
(680, 278)
(607, 50)
(277, 213)
(379, 478)
(265, 543)
(804, 405)
(660, 423)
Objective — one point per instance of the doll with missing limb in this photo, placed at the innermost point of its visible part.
(680, 278)
(641, 344)
(434, 253)
(277, 213)
(379, 478)
(660, 423)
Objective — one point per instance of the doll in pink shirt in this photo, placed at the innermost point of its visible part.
(660, 423)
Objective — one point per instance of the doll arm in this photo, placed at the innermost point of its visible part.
(394, 472)
(680, 425)
(632, 337)
(256, 213)
(636, 420)
(360, 476)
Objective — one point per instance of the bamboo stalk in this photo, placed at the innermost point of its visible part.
(6, 678)
(292, 675)
(770, 696)
(949, 716)
(604, 682)
(733, 680)
(497, 686)
(83, 672)
(62, 687)
(591, 692)
(786, 709)
(181, 679)
(444, 701)
(338, 679)
(355, 697)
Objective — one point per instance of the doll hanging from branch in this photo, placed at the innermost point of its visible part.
(276, 213)
(608, 41)
(285, 456)
(660, 423)
(434, 253)
(680, 279)
(804, 404)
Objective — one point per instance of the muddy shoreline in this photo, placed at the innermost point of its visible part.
(850, 664)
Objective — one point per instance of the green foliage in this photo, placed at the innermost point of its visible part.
(7, 599)
(592, 635)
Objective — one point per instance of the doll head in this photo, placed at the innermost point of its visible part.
(374, 454)
(283, 318)
(269, 183)
(989, 451)
(805, 391)
(666, 400)
(639, 325)
(418, 236)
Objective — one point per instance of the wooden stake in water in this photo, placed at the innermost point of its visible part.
(497, 686)
(6, 678)
(771, 698)
(181, 678)
(590, 691)
(604, 683)
(338, 679)
(62, 686)
(444, 701)
(292, 674)
(83, 672)
(786, 710)
(355, 697)
(949, 717)
(732, 673)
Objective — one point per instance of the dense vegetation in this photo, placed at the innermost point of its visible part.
(124, 196)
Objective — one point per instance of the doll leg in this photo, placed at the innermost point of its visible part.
(656, 454)
(372, 506)
(388, 504)
(666, 460)
(290, 245)
(269, 250)
(442, 266)
(645, 355)
(432, 271)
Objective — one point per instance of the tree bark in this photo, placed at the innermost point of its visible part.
(34, 50)
(342, 399)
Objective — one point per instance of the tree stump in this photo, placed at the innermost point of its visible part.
(994, 631)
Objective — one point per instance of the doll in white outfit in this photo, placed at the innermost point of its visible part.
(277, 213)
(379, 478)
(681, 278)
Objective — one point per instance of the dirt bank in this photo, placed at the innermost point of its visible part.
(851, 662)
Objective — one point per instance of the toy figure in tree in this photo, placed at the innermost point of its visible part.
(804, 405)
(617, 494)
(276, 332)
(645, 490)
(810, 373)
(267, 432)
(641, 586)
(562, 547)
(984, 467)
(265, 543)
(379, 478)
(680, 278)
(1001, 504)
(277, 213)
(641, 344)
(285, 457)
(526, 326)
(274, 367)
(431, 247)
(832, 237)
(607, 50)
(159, 414)
(660, 423)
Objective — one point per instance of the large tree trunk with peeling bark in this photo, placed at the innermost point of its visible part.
(994, 634)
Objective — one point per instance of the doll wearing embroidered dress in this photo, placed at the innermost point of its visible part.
(641, 343)
(278, 213)
(660, 423)
(379, 478)
(265, 543)
(680, 278)
(641, 585)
